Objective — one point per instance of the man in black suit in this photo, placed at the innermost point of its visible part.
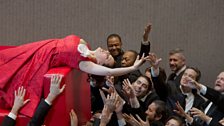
(43, 107)
(114, 45)
(177, 63)
(171, 93)
(213, 108)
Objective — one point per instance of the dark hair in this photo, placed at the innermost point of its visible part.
(161, 110)
(114, 35)
(178, 119)
(149, 81)
(134, 52)
(99, 79)
(197, 71)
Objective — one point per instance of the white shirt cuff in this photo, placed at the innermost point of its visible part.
(121, 122)
(11, 115)
(203, 89)
(145, 42)
(49, 103)
(153, 72)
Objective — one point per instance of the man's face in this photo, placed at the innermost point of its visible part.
(151, 112)
(114, 46)
(176, 62)
(219, 83)
(188, 73)
(128, 59)
(140, 86)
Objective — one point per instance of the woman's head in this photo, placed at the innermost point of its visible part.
(103, 57)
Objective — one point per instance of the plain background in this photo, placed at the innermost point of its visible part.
(196, 26)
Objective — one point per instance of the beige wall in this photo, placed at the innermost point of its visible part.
(193, 25)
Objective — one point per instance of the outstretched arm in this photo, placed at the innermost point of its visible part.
(45, 105)
(19, 102)
(92, 68)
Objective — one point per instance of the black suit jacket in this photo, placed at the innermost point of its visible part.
(170, 93)
(7, 121)
(40, 113)
(212, 112)
(177, 79)
(144, 49)
(216, 97)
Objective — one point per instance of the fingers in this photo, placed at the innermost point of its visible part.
(56, 79)
(20, 92)
(140, 119)
(102, 96)
(73, 118)
(26, 101)
(63, 88)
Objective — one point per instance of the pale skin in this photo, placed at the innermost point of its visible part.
(147, 31)
(103, 57)
(19, 101)
(135, 122)
(73, 118)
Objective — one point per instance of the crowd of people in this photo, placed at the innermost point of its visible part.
(120, 93)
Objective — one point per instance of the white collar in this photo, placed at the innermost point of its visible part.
(181, 70)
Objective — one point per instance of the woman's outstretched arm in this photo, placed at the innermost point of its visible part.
(92, 68)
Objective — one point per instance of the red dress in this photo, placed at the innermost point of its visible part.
(26, 65)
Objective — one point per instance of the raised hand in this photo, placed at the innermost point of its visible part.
(189, 82)
(55, 89)
(119, 105)
(138, 62)
(143, 123)
(146, 32)
(134, 122)
(19, 100)
(111, 101)
(180, 111)
(128, 89)
(200, 114)
(154, 60)
(105, 116)
(73, 118)
(221, 121)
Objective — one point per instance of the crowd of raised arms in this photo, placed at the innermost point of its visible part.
(151, 98)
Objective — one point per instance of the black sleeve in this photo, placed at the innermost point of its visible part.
(7, 121)
(160, 85)
(215, 123)
(216, 97)
(144, 49)
(40, 113)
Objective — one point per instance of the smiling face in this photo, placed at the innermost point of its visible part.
(141, 86)
(114, 46)
(219, 83)
(188, 73)
(176, 62)
(103, 57)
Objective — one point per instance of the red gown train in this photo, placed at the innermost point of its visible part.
(26, 65)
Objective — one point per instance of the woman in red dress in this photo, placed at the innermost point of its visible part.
(26, 65)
